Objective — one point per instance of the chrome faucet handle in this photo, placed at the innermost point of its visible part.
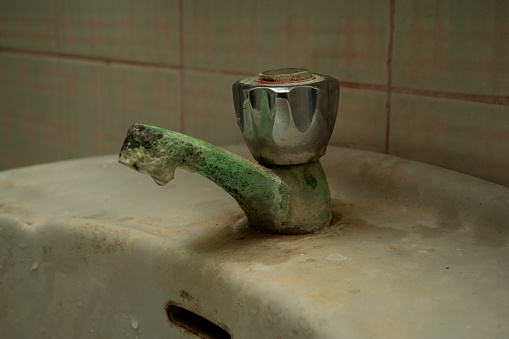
(286, 115)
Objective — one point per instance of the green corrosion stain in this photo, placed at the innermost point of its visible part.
(243, 180)
(272, 198)
(310, 178)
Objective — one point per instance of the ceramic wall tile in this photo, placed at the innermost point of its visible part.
(443, 45)
(141, 31)
(75, 75)
(28, 111)
(28, 25)
(208, 108)
(346, 39)
(463, 136)
(100, 102)
(146, 95)
(361, 120)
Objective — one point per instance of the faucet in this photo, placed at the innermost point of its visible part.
(286, 117)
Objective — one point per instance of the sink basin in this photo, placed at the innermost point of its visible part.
(91, 249)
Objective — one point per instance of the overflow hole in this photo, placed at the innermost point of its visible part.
(195, 324)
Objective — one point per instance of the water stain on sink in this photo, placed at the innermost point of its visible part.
(239, 243)
(401, 251)
(186, 295)
(428, 232)
(480, 235)
(358, 228)
(98, 215)
(491, 237)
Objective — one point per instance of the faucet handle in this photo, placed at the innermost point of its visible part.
(286, 115)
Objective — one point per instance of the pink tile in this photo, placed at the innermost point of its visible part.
(208, 108)
(99, 102)
(463, 136)
(345, 39)
(28, 25)
(442, 46)
(361, 121)
(146, 32)
(28, 93)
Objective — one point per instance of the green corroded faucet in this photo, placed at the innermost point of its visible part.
(287, 191)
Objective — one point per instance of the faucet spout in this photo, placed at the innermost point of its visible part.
(291, 199)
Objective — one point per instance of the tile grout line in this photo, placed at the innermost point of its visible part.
(182, 127)
(220, 71)
(390, 46)
(61, 131)
(360, 85)
(90, 59)
(480, 98)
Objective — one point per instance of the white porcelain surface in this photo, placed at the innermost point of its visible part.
(90, 249)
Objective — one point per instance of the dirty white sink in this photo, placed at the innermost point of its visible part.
(90, 249)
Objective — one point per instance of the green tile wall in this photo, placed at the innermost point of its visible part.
(424, 80)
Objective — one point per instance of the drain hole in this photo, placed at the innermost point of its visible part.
(195, 324)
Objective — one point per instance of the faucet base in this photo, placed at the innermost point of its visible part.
(309, 202)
